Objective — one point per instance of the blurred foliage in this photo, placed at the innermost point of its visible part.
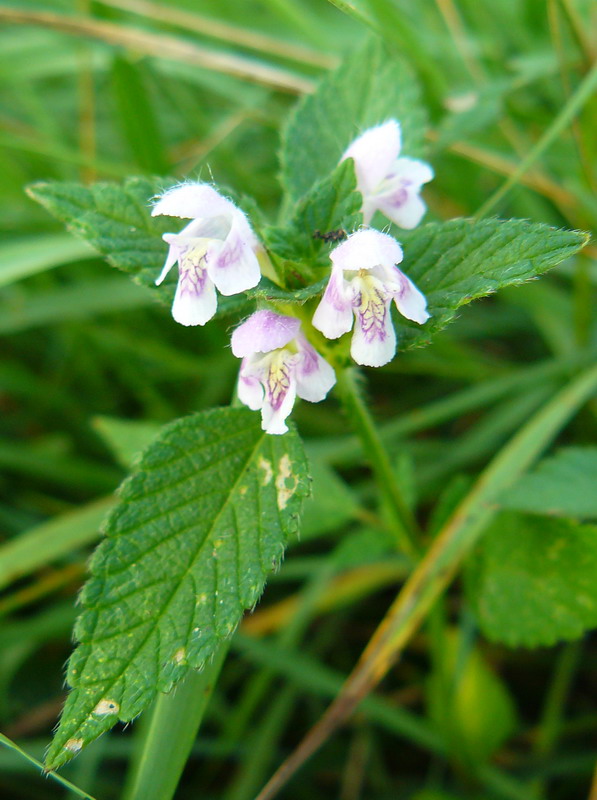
(99, 90)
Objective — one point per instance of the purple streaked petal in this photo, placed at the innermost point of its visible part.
(405, 209)
(279, 376)
(366, 249)
(188, 237)
(374, 152)
(263, 332)
(233, 265)
(195, 300)
(398, 198)
(192, 200)
(250, 390)
(410, 301)
(273, 417)
(333, 315)
(373, 342)
(314, 376)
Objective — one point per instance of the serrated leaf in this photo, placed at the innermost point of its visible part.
(333, 205)
(460, 260)
(197, 528)
(269, 291)
(532, 580)
(564, 485)
(116, 220)
(371, 86)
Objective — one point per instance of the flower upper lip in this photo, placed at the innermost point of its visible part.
(278, 363)
(216, 249)
(388, 182)
(363, 283)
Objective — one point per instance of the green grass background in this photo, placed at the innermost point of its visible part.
(92, 90)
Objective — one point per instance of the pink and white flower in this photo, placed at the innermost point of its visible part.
(278, 363)
(388, 183)
(363, 283)
(217, 249)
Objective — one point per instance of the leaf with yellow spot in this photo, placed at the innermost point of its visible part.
(188, 548)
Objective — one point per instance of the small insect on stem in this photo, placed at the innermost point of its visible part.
(331, 236)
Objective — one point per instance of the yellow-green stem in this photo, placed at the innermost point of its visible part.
(358, 413)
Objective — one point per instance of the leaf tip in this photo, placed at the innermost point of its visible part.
(36, 190)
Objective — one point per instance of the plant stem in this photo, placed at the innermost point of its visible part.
(402, 519)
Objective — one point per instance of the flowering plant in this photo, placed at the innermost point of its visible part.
(346, 273)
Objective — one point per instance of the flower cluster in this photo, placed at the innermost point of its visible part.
(218, 249)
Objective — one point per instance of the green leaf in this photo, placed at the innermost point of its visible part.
(269, 292)
(532, 580)
(563, 485)
(370, 87)
(116, 220)
(197, 528)
(468, 702)
(461, 260)
(332, 206)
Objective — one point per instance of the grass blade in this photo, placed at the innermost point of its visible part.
(170, 732)
(563, 119)
(164, 46)
(51, 540)
(4, 740)
(23, 257)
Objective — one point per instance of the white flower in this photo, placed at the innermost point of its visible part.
(363, 283)
(278, 363)
(217, 249)
(388, 183)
